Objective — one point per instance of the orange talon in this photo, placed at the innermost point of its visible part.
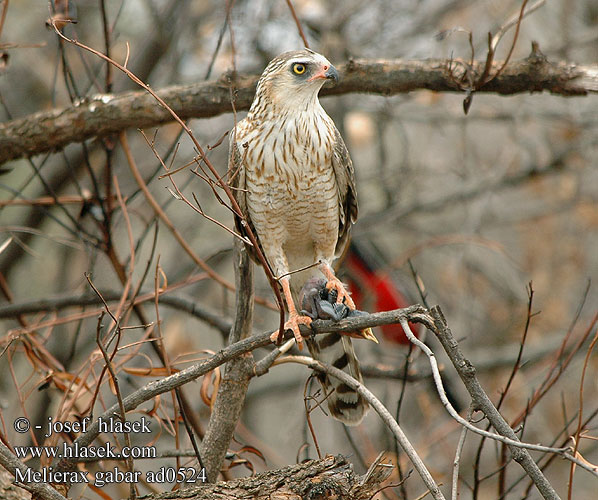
(295, 319)
(343, 296)
(293, 324)
(336, 284)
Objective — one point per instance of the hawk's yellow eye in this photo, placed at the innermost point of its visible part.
(298, 68)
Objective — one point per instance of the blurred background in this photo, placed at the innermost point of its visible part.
(480, 206)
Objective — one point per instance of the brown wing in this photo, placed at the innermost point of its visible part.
(347, 194)
(236, 180)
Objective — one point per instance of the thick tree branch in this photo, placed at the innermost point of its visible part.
(102, 115)
(237, 372)
(331, 477)
(9, 490)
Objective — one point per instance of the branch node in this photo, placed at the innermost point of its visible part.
(536, 56)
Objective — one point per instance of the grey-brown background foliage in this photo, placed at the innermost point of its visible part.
(482, 204)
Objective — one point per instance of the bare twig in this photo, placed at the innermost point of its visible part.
(481, 400)
(182, 303)
(181, 196)
(504, 435)
(577, 436)
(503, 395)
(298, 23)
(474, 82)
(162, 215)
(308, 410)
(377, 405)
(457, 461)
(559, 364)
(122, 415)
(515, 20)
(221, 183)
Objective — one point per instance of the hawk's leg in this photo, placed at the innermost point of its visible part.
(336, 284)
(295, 319)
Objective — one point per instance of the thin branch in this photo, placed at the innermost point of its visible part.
(122, 415)
(308, 410)
(384, 414)
(298, 23)
(515, 20)
(226, 188)
(164, 218)
(457, 461)
(514, 371)
(577, 436)
(505, 436)
(516, 366)
(179, 195)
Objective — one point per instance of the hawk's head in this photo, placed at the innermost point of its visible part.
(294, 79)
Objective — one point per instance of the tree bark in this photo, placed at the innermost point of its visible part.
(9, 490)
(331, 477)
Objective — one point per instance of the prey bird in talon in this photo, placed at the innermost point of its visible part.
(319, 301)
(295, 184)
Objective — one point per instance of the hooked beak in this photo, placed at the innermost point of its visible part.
(326, 73)
(332, 74)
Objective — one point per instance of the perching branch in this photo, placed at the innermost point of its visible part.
(101, 115)
(153, 389)
(433, 320)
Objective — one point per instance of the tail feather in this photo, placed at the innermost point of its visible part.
(344, 403)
